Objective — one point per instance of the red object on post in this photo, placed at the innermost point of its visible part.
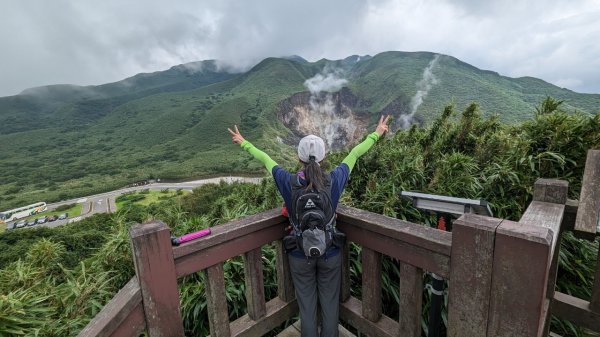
(442, 223)
(284, 211)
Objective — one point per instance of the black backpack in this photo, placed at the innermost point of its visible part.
(313, 218)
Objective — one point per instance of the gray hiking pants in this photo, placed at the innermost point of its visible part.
(322, 277)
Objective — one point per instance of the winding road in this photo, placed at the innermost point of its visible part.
(105, 202)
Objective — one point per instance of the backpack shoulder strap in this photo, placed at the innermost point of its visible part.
(295, 181)
(296, 190)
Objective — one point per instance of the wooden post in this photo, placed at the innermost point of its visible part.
(471, 265)
(155, 269)
(255, 288)
(519, 279)
(218, 316)
(285, 286)
(550, 191)
(371, 284)
(588, 213)
(589, 201)
(411, 298)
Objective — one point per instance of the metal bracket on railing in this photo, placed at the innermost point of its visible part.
(434, 291)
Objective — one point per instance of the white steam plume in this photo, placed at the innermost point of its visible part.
(423, 87)
(329, 82)
(322, 106)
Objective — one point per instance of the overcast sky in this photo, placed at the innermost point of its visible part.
(93, 42)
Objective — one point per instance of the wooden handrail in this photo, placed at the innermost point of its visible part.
(420, 246)
(122, 316)
(229, 240)
(575, 310)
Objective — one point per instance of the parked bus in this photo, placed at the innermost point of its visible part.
(22, 212)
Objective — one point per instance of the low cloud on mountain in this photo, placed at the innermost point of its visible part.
(91, 43)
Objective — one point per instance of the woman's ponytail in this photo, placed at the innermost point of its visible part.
(314, 175)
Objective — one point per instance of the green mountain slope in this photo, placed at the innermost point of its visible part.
(393, 76)
(65, 141)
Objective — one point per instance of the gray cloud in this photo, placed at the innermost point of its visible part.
(85, 42)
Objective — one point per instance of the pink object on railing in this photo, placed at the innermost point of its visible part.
(189, 237)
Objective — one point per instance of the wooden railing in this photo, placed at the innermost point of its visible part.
(583, 218)
(501, 274)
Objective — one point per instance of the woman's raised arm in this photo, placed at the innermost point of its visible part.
(237, 138)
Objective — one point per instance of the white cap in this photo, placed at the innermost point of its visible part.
(311, 145)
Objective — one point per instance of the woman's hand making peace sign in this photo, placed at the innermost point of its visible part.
(236, 136)
(382, 126)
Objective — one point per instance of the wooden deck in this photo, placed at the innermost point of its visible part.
(294, 331)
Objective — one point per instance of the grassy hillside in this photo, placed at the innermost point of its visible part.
(66, 141)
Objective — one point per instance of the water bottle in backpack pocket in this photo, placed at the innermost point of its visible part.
(314, 242)
(312, 217)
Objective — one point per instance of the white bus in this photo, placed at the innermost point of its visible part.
(21, 212)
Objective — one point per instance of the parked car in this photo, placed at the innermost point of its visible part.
(63, 216)
(31, 222)
(52, 218)
(42, 220)
(21, 224)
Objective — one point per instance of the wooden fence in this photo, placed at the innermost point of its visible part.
(501, 274)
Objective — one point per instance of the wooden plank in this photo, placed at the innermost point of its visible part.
(414, 234)
(421, 257)
(285, 286)
(546, 316)
(294, 331)
(155, 269)
(116, 312)
(351, 312)
(277, 312)
(133, 325)
(255, 287)
(471, 266)
(371, 284)
(589, 201)
(575, 310)
(519, 279)
(345, 289)
(544, 214)
(210, 255)
(551, 190)
(411, 300)
(218, 316)
(568, 223)
(595, 300)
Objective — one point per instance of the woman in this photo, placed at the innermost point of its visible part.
(315, 276)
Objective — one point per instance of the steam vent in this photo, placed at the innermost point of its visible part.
(339, 118)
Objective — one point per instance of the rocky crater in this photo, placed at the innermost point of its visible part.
(339, 118)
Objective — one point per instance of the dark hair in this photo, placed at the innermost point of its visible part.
(314, 175)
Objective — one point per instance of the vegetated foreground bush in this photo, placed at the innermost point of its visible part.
(53, 282)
